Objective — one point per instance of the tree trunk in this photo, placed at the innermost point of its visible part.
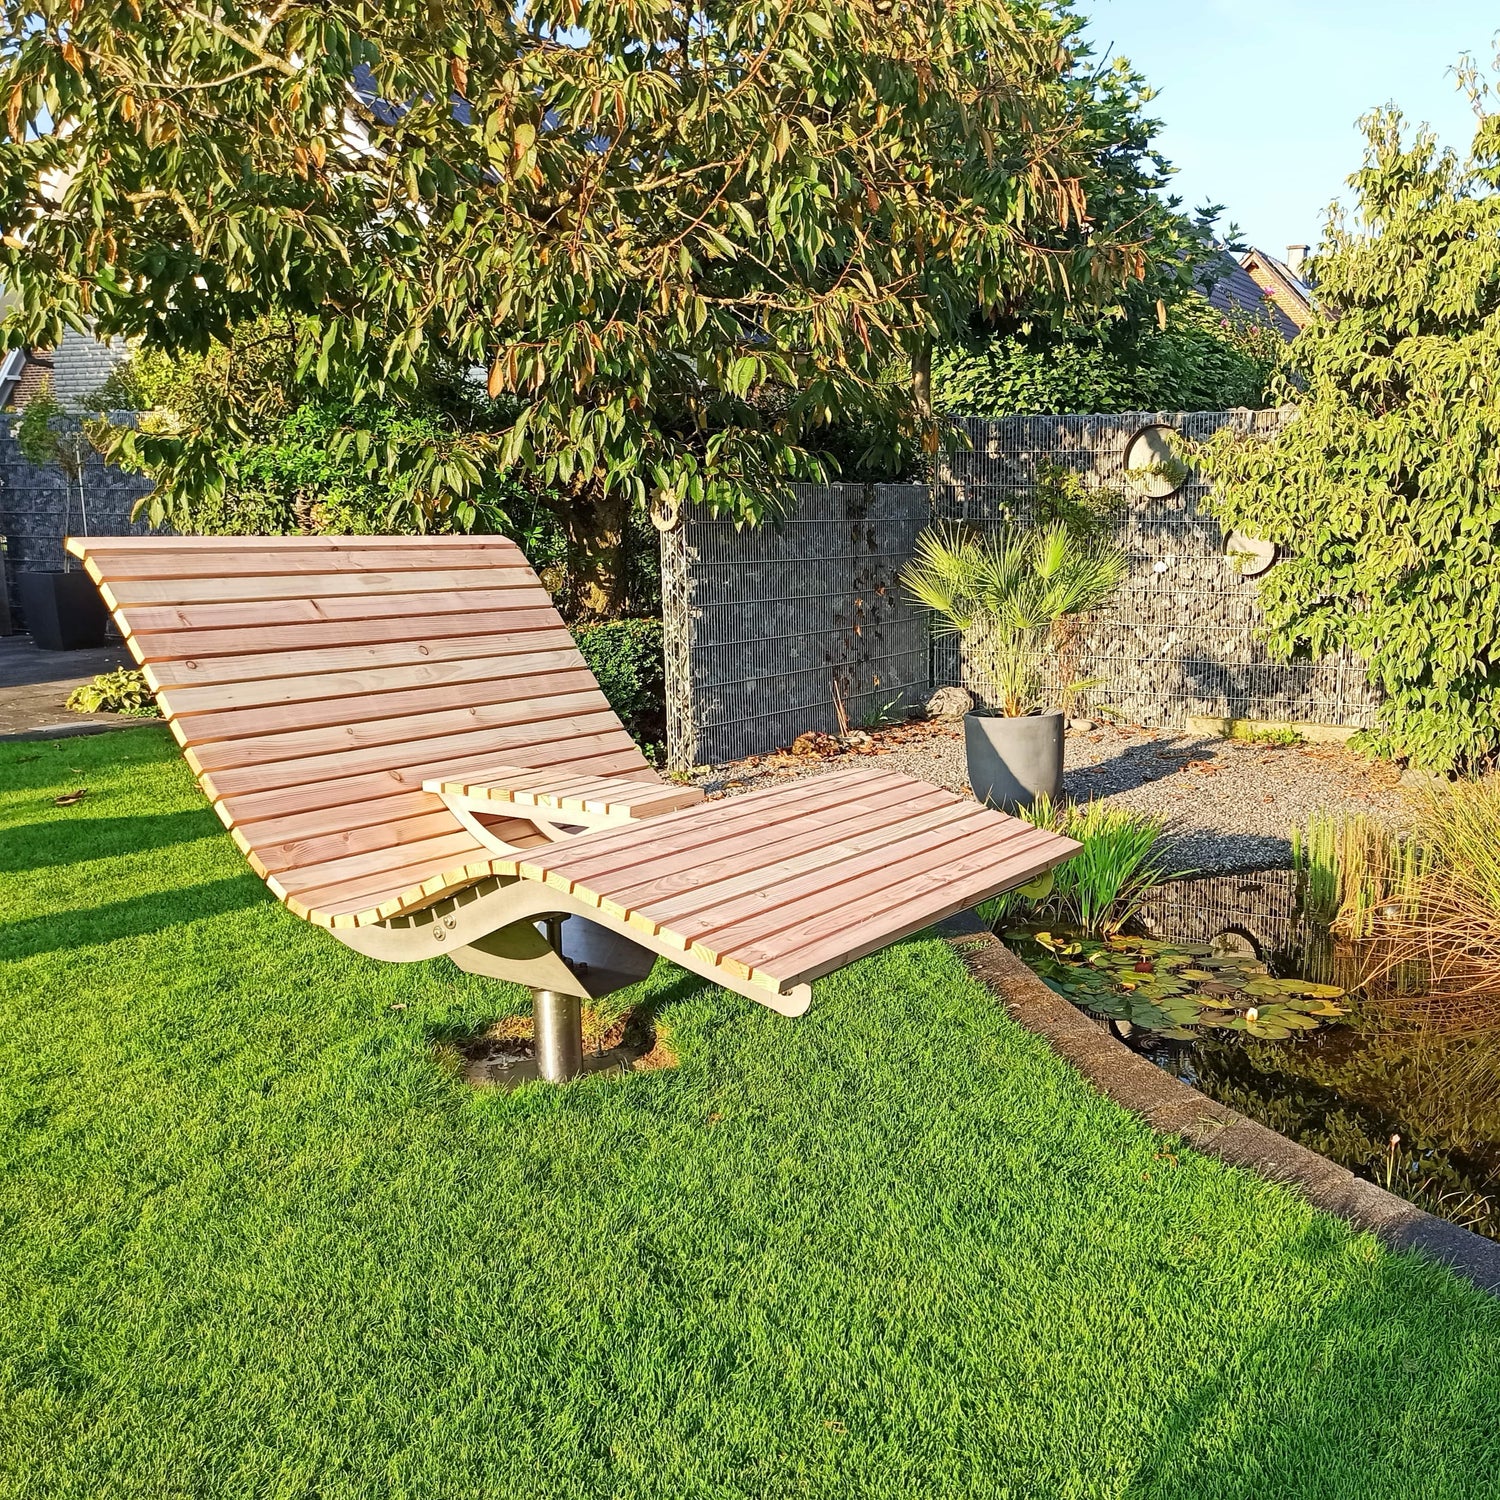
(596, 526)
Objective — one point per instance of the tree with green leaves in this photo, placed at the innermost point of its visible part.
(1158, 344)
(676, 243)
(1384, 492)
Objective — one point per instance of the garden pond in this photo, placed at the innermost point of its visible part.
(1223, 984)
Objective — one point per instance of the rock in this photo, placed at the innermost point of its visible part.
(949, 703)
(1081, 726)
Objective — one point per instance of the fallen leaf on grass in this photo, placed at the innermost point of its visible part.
(69, 798)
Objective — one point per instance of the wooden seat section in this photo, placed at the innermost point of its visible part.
(315, 684)
(783, 885)
(581, 800)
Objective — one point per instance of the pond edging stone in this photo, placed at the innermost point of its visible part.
(1173, 1107)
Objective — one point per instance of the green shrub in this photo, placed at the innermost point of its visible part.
(627, 658)
(123, 691)
(1384, 492)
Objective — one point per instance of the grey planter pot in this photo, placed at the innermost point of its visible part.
(1012, 762)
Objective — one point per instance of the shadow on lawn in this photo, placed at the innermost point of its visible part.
(1269, 1423)
(138, 917)
(59, 841)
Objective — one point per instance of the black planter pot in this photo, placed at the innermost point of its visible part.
(63, 611)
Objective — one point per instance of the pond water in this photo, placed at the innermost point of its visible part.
(1416, 1113)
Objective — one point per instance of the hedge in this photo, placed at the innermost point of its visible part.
(627, 658)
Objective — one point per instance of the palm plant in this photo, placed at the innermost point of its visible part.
(1006, 595)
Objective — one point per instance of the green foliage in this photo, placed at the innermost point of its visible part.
(123, 691)
(1202, 360)
(1005, 594)
(626, 656)
(258, 1241)
(1385, 490)
(676, 244)
(35, 431)
(1284, 738)
(1175, 988)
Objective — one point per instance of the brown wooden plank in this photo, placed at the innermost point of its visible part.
(668, 890)
(100, 546)
(251, 560)
(900, 908)
(370, 890)
(125, 592)
(265, 725)
(267, 751)
(358, 798)
(722, 895)
(409, 764)
(785, 914)
(344, 817)
(307, 853)
(199, 630)
(369, 868)
(283, 676)
(678, 842)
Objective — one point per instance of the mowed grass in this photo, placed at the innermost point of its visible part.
(256, 1240)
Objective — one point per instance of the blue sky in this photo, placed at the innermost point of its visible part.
(1260, 99)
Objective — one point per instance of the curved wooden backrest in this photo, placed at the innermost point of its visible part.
(315, 682)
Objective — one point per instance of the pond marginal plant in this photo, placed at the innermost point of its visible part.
(1103, 885)
(1008, 596)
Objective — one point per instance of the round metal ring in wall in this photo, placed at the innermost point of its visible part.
(1250, 555)
(1151, 468)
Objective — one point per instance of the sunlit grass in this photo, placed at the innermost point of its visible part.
(256, 1240)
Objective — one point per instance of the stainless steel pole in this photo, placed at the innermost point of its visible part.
(557, 1024)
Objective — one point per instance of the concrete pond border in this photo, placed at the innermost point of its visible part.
(1175, 1108)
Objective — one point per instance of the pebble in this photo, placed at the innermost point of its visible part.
(1229, 805)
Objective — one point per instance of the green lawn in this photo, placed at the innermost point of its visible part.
(255, 1240)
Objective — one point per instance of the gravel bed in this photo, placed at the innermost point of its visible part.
(1229, 805)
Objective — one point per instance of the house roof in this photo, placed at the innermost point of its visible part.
(1230, 287)
(1280, 284)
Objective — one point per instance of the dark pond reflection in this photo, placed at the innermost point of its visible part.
(1416, 1113)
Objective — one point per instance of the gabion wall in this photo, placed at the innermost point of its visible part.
(761, 623)
(769, 628)
(1181, 637)
(39, 507)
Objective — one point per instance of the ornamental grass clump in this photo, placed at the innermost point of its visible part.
(1102, 887)
(1434, 960)
(1008, 597)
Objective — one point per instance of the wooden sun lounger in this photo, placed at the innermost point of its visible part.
(403, 739)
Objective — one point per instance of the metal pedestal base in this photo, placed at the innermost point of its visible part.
(557, 1023)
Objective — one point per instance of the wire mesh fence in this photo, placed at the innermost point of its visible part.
(783, 628)
(1183, 635)
(777, 629)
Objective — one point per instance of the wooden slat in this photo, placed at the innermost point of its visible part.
(595, 731)
(714, 898)
(182, 631)
(711, 873)
(267, 751)
(306, 853)
(367, 867)
(904, 910)
(251, 560)
(509, 786)
(272, 724)
(753, 932)
(279, 676)
(125, 592)
(167, 543)
(667, 844)
(359, 796)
